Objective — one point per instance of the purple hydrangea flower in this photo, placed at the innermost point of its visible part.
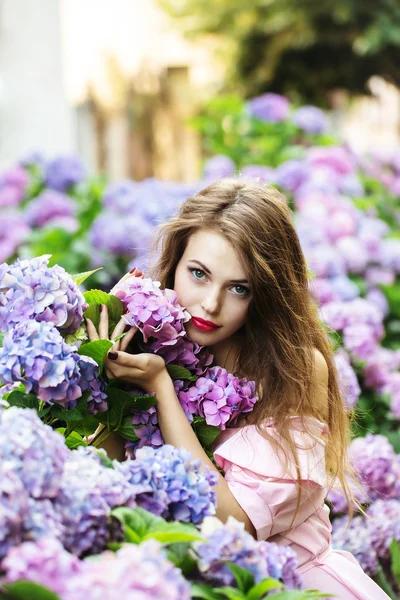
(344, 288)
(13, 184)
(13, 505)
(134, 571)
(88, 492)
(64, 172)
(378, 367)
(30, 289)
(169, 483)
(332, 157)
(45, 562)
(36, 355)
(122, 196)
(13, 232)
(220, 397)
(183, 353)
(48, 206)
(219, 166)
(230, 542)
(271, 108)
(347, 378)
(90, 380)
(359, 340)
(390, 254)
(356, 538)
(291, 174)
(259, 172)
(310, 119)
(123, 234)
(378, 466)
(281, 564)
(35, 452)
(384, 526)
(155, 312)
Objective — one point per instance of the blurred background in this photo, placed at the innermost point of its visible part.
(117, 81)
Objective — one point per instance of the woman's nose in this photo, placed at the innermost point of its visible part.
(211, 302)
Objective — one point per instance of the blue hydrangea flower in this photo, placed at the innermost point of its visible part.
(169, 482)
(30, 289)
(34, 451)
(229, 542)
(36, 355)
(63, 172)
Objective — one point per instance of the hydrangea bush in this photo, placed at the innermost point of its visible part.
(61, 509)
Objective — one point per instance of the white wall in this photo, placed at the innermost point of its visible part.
(34, 111)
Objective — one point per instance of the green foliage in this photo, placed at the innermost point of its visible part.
(177, 372)
(228, 128)
(24, 590)
(141, 525)
(97, 350)
(114, 306)
(297, 46)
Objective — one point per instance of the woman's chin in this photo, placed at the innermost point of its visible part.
(203, 338)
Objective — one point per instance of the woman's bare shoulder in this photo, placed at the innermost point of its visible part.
(320, 383)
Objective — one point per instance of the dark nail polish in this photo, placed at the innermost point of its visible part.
(100, 307)
(112, 355)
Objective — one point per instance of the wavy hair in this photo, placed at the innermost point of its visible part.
(283, 327)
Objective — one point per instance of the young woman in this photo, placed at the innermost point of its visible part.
(234, 259)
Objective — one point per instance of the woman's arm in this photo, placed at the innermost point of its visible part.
(176, 430)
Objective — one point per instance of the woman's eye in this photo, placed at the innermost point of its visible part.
(197, 273)
(241, 290)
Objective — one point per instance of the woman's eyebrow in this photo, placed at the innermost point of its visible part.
(206, 270)
(201, 265)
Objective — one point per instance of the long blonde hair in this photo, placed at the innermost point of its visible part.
(282, 318)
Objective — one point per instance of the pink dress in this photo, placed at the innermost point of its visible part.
(268, 495)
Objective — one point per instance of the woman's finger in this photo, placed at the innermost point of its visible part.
(124, 343)
(119, 328)
(91, 330)
(103, 325)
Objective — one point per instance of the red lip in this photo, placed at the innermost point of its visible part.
(204, 325)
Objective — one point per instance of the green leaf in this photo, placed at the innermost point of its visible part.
(395, 560)
(179, 554)
(17, 398)
(244, 579)
(97, 350)
(69, 416)
(177, 372)
(74, 440)
(28, 590)
(206, 434)
(259, 590)
(1, 339)
(231, 593)
(126, 430)
(172, 533)
(120, 405)
(204, 592)
(87, 426)
(81, 277)
(136, 522)
(114, 305)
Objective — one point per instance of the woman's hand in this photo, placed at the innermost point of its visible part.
(145, 370)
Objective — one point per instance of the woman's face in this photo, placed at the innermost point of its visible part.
(212, 284)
